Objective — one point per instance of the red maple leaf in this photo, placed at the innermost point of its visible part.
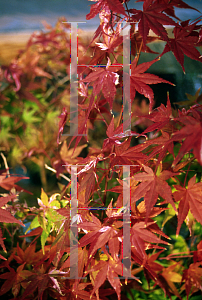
(29, 256)
(160, 116)
(139, 212)
(170, 6)
(192, 278)
(107, 270)
(6, 217)
(98, 236)
(78, 292)
(42, 282)
(184, 42)
(190, 198)
(151, 186)
(152, 17)
(192, 133)
(104, 80)
(197, 255)
(164, 121)
(140, 234)
(35, 232)
(126, 155)
(113, 5)
(13, 279)
(140, 80)
(86, 187)
(62, 123)
(8, 182)
(111, 41)
(90, 162)
(164, 145)
(114, 135)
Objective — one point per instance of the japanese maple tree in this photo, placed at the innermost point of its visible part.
(163, 159)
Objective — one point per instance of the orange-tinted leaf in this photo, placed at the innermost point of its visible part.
(101, 277)
(193, 278)
(192, 133)
(114, 246)
(189, 197)
(115, 283)
(9, 182)
(150, 187)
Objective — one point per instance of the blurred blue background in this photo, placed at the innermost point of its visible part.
(25, 15)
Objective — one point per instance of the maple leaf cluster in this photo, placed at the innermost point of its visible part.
(163, 180)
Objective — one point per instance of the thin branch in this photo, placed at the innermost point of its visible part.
(54, 171)
(139, 52)
(5, 163)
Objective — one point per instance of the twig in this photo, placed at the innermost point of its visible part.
(186, 174)
(5, 163)
(54, 171)
(138, 54)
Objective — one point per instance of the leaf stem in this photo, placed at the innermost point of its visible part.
(138, 53)
(186, 174)
(43, 173)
